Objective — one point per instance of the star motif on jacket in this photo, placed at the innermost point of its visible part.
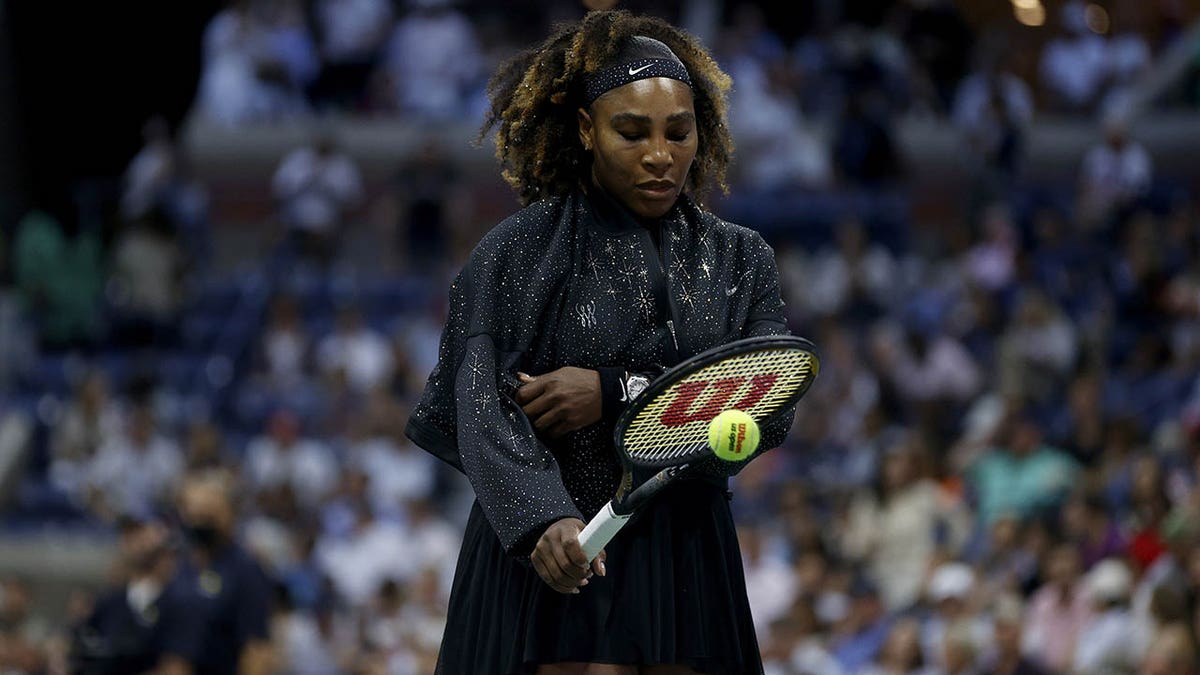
(644, 304)
(703, 241)
(627, 271)
(514, 437)
(706, 269)
(686, 297)
(591, 264)
(476, 368)
(482, 398)
(679, 269)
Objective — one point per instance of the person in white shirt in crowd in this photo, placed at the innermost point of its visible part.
(91, 418)
(1038, 350)
(1074, 65)
(135, 471)
(317, 186)
(1108, 641)
(1058, 610)
(351, 35)
(955, 621)
(400, 472)
(282, 456)
(361, 352)
(856, 270)
(992, 110)
(1129, 57)
(256, 62)
(991, 261)
(433, 61)
(771, 584)
(285, 348)
(780, 149)
(895, 528)
(926, 365)
(373, 551)
(1114, 175)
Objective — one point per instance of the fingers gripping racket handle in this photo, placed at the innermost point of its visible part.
(603, 527)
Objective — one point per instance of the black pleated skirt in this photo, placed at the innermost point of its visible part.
(675, 593)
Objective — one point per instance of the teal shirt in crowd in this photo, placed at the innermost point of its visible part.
(60, 277)
(1006, 484)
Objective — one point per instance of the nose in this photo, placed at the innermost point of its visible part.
(658, 156)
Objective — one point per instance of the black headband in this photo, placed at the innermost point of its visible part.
(616, 76)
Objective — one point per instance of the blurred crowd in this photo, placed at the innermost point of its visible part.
(997, 472)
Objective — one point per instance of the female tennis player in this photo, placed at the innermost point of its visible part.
(610, 131)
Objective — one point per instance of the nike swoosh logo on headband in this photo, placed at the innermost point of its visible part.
(635, 71)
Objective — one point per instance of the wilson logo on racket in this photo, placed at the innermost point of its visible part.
(680, 411)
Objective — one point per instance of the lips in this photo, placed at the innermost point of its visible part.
(657, 188)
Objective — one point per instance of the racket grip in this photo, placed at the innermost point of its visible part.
(602, 528)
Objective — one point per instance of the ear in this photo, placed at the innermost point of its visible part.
(586, 128)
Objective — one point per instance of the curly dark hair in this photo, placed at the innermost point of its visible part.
(535, 96)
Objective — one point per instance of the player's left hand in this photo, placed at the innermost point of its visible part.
(562, 400)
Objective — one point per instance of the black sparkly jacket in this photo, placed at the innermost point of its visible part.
(576, 281)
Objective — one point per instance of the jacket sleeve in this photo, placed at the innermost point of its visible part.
(467, 415)
(516, 479)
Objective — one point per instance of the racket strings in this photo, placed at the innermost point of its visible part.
(674, 426)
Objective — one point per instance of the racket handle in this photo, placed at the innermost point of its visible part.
(602, 528)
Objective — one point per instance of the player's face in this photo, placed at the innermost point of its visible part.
(643, 141)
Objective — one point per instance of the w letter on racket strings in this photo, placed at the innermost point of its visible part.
(680, 412)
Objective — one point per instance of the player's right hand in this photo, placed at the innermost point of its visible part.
(560, 560)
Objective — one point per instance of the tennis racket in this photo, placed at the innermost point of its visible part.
(666, 427)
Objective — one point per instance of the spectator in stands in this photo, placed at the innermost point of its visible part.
(865, 155)
(90, 419)
(147, 282)
(1114, 176)
(142, 624)
(133, 472)
(1038, 350)
(1008, 655)
(285, 348)
(230, 594)
(864, 628)
(1108, 640)
(433, 61)
(282, 456)
(953, 631)
(901, 652)
(939, 38)
(897, 528)
(778, 148)
(357, 350)
(1058, 610)
(1074, 64)
(22, 634)
(316, 187)
(351, 35)
(771, 584)
(257, 60)
(428, 197)
(58, 269)
(856, 279)
(1020, 476)
(373, 551)
(993, 108)
(159, 181)
(1129, 58)
(205, 448)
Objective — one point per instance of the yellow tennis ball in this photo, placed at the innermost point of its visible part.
(733, 435)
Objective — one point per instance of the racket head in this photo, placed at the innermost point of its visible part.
(667, 424)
